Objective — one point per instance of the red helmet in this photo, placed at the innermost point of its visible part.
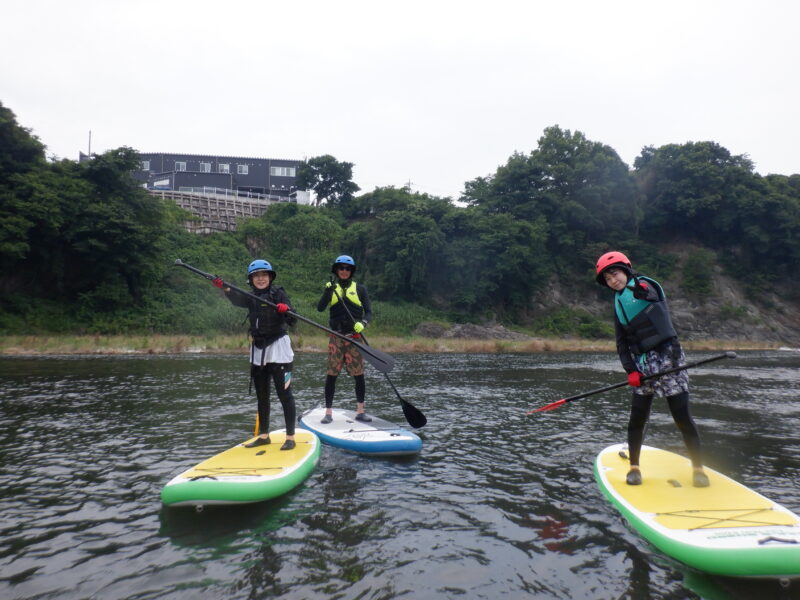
(612, 259)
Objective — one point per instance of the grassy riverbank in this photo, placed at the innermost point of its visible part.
(188, 344)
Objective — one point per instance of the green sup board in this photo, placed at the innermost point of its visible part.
(244, 475)
(724, 529)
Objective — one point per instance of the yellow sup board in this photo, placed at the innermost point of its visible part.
(242, 475)
(725, 529)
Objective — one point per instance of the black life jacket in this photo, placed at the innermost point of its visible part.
(266, 324)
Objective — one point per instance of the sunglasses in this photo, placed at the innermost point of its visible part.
(344, 268)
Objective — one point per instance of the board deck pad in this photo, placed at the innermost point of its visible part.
(726, 528)
(378, 437)
(240, 475)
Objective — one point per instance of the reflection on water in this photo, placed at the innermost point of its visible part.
(499, 504)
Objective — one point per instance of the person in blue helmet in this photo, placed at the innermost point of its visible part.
(271, 355)
(350, 312)
(647, 344)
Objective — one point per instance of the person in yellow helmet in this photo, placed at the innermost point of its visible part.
(350, 312)
(647, 344)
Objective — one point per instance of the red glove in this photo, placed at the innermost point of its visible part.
(635, 379)
(282, 308)
(218, 282)
(640, 289)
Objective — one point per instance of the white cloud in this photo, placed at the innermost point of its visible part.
(437, 93)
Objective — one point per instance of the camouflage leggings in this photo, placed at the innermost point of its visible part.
(342, 353)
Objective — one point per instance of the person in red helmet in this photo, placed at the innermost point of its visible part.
(647, 343)
(271, 354)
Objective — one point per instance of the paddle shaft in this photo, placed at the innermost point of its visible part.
(380, 360)
(413, 415)
(624, 383)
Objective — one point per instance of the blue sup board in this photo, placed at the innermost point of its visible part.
(376, 438)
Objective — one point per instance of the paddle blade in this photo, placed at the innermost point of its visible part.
(380, 360)
(413, 415)
(551, 406)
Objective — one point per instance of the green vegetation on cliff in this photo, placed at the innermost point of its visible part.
(84, 250)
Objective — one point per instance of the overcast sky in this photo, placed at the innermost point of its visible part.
(432, 93)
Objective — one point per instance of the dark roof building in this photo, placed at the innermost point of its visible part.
(220, 191)
(258, 177)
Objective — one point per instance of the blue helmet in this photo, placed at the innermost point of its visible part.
(260, 265)
(343, 260)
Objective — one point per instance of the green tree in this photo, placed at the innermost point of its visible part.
(20, 150)
(581, 188)
(492, 263)
(692, 191)
(698, 271)
(83, 230)
(700, 192)
(387, 199)
(20, 153)
(330, 179)
(409, 244)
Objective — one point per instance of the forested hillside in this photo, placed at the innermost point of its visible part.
(84, 250)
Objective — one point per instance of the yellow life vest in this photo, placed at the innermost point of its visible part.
(351, 294)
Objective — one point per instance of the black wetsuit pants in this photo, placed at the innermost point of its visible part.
(330, 389)
(281, 375)
(679, 407)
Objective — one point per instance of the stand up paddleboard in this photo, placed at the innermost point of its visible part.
(724, 529)
(376, 438)
(244, 475)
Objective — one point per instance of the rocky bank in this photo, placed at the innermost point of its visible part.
(727, 313)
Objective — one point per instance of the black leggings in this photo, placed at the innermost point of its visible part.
(281, 374)
(679, 407)
(330, 389)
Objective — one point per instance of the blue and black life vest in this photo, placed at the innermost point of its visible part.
(646, 324)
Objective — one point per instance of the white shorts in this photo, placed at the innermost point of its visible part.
(279, 351)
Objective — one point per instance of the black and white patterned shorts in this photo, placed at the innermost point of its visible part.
(666, 356)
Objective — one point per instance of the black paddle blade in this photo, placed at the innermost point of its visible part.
(380, 360)
(413, 415)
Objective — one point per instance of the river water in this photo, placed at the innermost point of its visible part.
(498, 504)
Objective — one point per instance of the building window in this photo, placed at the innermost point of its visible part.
(282, 171)
(223, 168)
(180, 165)
(145, 165)
(205, 167)
(241, 169)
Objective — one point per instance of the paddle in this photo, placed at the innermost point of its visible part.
(380, 360)
(413, 415)
(557, 403)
